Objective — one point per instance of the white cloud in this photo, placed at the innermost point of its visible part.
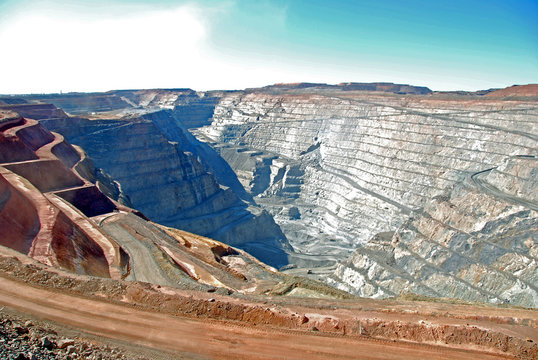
(49, 52)
(57, 48)
(70, 46)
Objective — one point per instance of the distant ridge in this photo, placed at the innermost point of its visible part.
(529, 90)
(347, 86)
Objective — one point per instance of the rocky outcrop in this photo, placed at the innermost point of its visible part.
(337, 168)
(474, 243)
(148, 158)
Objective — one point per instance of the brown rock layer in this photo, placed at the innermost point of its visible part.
(35, 176)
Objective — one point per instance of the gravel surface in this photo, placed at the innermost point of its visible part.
(23, 339)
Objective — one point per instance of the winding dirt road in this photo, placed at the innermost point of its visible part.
(490, 189)
(192, 338)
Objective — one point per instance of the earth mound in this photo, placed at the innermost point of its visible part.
(530, 90)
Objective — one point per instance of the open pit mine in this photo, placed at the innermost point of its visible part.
(301, 221)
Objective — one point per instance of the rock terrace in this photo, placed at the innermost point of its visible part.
(364, 186)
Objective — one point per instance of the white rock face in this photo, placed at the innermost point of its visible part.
(355, 165)
(469, 244)
(378, 194)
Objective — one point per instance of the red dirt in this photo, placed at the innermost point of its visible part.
(46, 175)
(209, 338)
(224, 327)
(75, 251)
(516, 90)
(34, 161)
(19, 222)
(12, 148)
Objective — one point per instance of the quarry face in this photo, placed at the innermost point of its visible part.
(150, 210)
(432, 195)
(377, 190)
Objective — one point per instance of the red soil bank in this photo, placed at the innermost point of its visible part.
(19, 222)
(516, 90)
(34, 161)
(46, 175)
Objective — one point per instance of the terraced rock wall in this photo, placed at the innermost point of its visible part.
(51, 213)
(33, 219)
(147, 155)
(470, 244)
(378, 193)
(337, 169)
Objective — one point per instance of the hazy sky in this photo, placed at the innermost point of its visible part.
(99, 45)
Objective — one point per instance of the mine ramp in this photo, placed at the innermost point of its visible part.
(46, 205)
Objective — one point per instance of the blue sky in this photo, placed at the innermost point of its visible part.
(98, 45)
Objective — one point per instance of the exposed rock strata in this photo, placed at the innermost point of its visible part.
(148, 158)
(337, 169)
(37, 218)
(336, 165)
(71, 156)
(470, 244)
(51, 213)
(194, 108)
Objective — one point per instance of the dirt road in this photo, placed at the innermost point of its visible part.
(490, 189)
(206, 339)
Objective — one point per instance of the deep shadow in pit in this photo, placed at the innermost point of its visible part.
(270, 252)
(89, 200)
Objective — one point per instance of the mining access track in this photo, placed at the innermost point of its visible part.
(203, 338)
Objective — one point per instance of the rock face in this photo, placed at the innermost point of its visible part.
(44, 203)
(83, 165)
(49, 211)
(337, 168)
(475, 243)
(147, 155)
(380, 189)
(195, 108)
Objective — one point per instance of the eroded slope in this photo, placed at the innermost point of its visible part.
(337, 168)
(51, 213)
(148, 155)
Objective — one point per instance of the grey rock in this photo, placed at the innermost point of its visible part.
(359, 167)
(63, 343)
(21, 330)
(148, 157)
(46, 343)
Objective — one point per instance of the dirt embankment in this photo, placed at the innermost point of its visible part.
(352, 323)
(530, 90)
